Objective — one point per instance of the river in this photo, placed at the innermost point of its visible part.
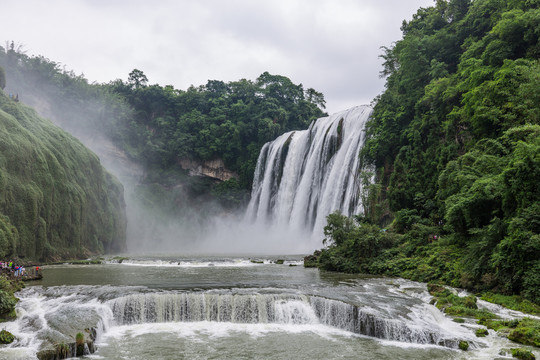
(206, 307)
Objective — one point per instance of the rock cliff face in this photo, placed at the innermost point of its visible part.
(211, 168)
(56, 199)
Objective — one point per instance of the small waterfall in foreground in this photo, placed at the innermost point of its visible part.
(270, 308)
(235, 308)
(111, 314)
(303, 176)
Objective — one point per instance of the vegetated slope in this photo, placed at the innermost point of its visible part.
(455, 139)
(230, 121)
(56, 200)
(160, 127)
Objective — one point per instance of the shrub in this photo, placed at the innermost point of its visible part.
(405, 219)
(79, 338)
(6, 337)
(2, 78)
(498, 324)
(470, 302)
(7, 302)
(522, 354)
(79, 344)
(481, 332)
(527, 332)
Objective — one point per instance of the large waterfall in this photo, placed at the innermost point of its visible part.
(303, 176)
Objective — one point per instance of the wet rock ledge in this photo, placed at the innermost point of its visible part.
(78, 348)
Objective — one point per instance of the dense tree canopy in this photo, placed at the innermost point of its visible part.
(157, 126)
(463, 71)
(217, 120)
(455, 140)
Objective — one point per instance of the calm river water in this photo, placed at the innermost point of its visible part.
(205, 307)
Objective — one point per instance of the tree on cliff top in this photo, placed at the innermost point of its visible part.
(2, 78)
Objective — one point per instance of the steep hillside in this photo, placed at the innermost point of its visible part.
(56, 200)
(455, 139)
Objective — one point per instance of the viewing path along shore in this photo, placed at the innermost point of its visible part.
(28, 274)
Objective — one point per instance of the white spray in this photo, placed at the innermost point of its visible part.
(303, 176)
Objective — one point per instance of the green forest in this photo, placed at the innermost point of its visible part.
(157, 126)
(455, 143)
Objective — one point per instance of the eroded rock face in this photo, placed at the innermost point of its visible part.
(211, 168)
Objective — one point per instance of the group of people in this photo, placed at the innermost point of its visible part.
(12, 268)
(14, 97)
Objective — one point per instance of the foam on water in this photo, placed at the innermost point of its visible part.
(218, 263)
(188, 264)
(57, 313)
(46, 316)
(392, 312)
(503, 312)
(218, 330)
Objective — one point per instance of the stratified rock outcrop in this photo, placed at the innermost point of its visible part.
(211, 168)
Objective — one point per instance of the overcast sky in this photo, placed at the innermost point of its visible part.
(332, 46)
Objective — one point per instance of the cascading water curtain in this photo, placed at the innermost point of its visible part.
(303, 176)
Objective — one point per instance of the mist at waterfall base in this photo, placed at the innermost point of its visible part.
(217, 235)
(300, 178)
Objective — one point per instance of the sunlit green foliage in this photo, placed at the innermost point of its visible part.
(527, 332)
(353, 247)
(455, 305)
(514, 302)
(458, 75)
(491, 202)
(481, 332)
(522, 354)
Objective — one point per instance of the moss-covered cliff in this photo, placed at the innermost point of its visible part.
(56, 200)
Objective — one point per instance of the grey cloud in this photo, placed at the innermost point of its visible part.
(332, 46)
